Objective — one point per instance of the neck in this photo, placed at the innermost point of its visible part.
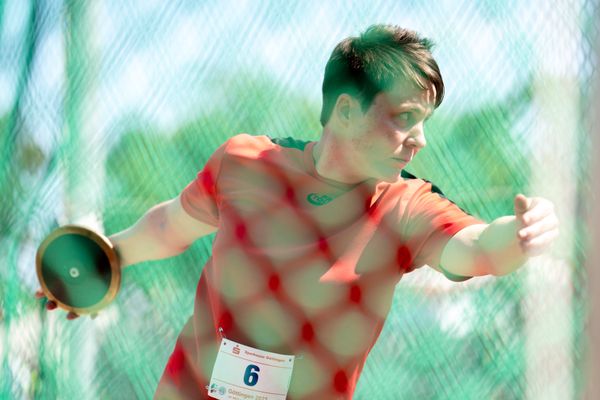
(332, 161)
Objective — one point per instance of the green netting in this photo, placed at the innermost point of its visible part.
(108, 108)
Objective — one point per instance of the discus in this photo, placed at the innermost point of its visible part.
(79, 269)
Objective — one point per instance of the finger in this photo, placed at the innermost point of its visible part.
(537, 213)
(72, 315)
(50, 305)
(539, 244)
(547, 224)
(39, 294)
(522, 204)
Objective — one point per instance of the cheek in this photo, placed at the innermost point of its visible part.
(362, 144)
(384, 127)
(362, 139)
(374, 136)
(386, 136)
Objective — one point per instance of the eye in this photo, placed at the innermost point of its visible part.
(404, 116)
(404, 119)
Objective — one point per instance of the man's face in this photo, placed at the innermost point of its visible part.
(391, 132)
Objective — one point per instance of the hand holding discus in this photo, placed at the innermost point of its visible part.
(78, 270)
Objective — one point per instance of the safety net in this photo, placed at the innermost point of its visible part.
(109, 108)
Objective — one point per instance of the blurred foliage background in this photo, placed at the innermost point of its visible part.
(110, 107)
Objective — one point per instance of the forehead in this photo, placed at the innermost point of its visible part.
(407, 93)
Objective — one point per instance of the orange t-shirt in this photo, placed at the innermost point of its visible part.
(300, 264)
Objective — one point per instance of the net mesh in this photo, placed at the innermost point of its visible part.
(108, 108)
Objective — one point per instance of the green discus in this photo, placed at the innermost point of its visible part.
(79, 269)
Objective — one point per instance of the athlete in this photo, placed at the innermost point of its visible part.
(312, 237)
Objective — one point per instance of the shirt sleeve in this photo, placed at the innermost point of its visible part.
(200, 198)
(432, 221)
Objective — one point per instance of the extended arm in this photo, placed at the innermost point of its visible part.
(164, 231)
(505, 244)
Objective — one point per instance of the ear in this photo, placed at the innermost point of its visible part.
(345, 108)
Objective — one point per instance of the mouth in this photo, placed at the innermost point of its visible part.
(400, 160)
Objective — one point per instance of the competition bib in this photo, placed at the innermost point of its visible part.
(243, 373)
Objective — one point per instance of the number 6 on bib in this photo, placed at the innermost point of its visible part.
(245, 372)
(251, 377)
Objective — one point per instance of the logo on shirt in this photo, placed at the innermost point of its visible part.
(236, 350)
(318, 200)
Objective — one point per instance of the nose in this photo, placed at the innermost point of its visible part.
(416, 138)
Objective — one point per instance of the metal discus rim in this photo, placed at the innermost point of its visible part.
(105, 245)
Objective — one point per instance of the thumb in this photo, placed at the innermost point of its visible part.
(522, 204)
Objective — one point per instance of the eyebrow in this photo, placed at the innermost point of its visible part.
(418, 109)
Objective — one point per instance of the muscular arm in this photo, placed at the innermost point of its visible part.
(484, 249)
(164, 231)
(504, 245)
